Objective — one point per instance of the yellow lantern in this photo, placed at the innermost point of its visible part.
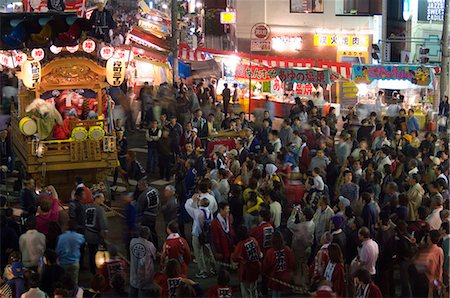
(115, 71)
(31, 73)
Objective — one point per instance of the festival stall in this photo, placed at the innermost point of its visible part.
(62, 123)
(415, 82)
(268, 90)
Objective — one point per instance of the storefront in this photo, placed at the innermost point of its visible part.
(416, 83)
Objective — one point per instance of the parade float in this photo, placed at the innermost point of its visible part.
(415, 82)
(61, 123)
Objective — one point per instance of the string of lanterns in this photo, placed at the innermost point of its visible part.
(30, 73)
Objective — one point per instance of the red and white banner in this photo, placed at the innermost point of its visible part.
(187, 54)
(342, 68)
(78, 6)
(283, 63)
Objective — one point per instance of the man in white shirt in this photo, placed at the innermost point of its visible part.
(197, 208)
(223, 186)
(205, 192)
(434, 219)
(368, 253)
(32, 245)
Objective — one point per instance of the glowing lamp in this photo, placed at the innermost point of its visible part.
(38, 54)
(115, 71)
(88, 45)
(101, 257)
(20, 58)
(31, 73)
(55, 50)
(106, 52)
(72, 49)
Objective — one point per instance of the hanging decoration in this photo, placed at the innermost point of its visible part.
(72, 49)
(20, 58)
(55, 50)
(106, 52)
(38, 54)
(88, 45)
(115, 71)
(31, 73)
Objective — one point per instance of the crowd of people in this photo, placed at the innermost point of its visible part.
(315, 205)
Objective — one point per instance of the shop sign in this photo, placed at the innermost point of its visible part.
(260, 45)
(334, 40)
(228, 17)
(352, 53)
(287, 43)
(304, 76)
(259, 73)
(416, 74)
(431, 10)
(261, 31)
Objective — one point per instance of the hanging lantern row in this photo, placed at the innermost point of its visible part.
(14, 59)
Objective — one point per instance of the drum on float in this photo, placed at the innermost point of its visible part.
(27, 126)
(79, 134)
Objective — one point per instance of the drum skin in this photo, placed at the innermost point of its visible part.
(27, 126)
(79, 134)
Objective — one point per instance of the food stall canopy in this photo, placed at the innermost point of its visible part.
(184, 70)
(147, 39)
(394, 76)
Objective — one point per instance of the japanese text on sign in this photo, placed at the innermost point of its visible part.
(117, 72)
(333, 40)
(307, 76)
(259, 73)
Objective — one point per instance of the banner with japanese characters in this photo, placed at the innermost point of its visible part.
(258, 73)
(304, 76)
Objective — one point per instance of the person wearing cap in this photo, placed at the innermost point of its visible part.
(14, 278)
(196, 140)
(96, 228)
(339, 237)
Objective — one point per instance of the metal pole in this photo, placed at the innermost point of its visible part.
(444, 50)
(250, 76)
(174, 9)
(384, 30)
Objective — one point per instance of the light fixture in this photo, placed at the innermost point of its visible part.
(198, 5)
(101, 257)
(164, 6)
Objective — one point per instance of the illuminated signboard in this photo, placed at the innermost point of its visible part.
(228, 17)
(431, 10)
(286, 43)
(334, 40)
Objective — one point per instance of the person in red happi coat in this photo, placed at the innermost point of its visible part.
(278, 263)
(248, 255)
(176, 247)
(223, 288)
(263, 232)
(169, 280)
(334, 272)
(222, 234)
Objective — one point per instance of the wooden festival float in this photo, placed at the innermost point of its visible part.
(68, 90)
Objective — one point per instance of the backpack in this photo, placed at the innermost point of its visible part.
(205, 235)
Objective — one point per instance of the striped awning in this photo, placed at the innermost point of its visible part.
(342, 68)
(283, 63)
(187, 54)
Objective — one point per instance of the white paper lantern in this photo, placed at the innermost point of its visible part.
(31, 73)
(115, 71)
(106, 52)
(72, 49)
(20, 58)
(123, 54)
(55, 50)
(38, 54)
(88, 45)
